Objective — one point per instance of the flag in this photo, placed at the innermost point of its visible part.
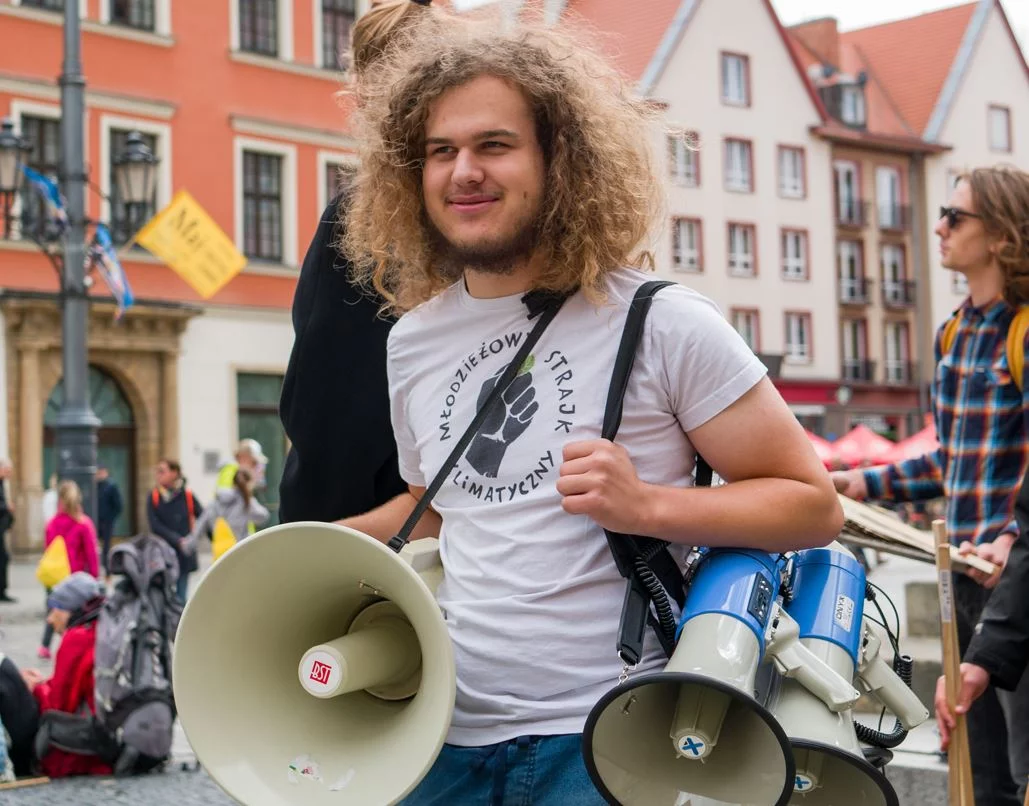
(102, 255)
(51, 194)
(185, 237)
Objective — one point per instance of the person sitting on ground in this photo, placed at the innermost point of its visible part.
(74, 605)
(237, 506)
(80, 541)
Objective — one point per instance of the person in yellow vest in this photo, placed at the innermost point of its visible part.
(250, 457)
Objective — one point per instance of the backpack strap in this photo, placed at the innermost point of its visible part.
(155, 496)
(1016, 344)
(190, 508)
(1015, 341)
(650, 570)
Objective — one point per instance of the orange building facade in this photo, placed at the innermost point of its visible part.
(239, 101)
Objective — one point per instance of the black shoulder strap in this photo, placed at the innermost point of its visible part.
(545, 306)
(649, 568)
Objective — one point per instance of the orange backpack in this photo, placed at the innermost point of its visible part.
(155, 496)
(1016, 340)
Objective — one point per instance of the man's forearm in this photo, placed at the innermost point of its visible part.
(385, 521)
(767, 514)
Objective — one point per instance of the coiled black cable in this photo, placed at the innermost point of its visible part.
(658, 596)
(902, 665)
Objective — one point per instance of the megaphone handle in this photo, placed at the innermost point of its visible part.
(399, 540)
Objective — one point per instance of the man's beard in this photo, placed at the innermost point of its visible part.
(494, 256)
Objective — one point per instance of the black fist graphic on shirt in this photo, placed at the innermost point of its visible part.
(507, 420)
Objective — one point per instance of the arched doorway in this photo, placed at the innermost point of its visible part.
(117, 440)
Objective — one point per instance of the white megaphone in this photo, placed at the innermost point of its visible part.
(313, 666)
(694, 733)
(827, 600)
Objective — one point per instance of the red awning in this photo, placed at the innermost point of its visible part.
(917, 444)
(862, 446)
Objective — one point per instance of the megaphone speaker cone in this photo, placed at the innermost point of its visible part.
(304, 589)
(633, 761)
(829, 776)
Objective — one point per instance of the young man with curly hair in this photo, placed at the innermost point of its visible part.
(983, 427)
(495, 165)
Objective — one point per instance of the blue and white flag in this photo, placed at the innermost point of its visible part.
(51, 194)
(103, 256)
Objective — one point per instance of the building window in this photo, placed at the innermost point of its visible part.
(854, 343)
(259, 26)
(262, 206)
(133, 13)
(687, 252)
(52, 5)
(898, 362)
(894, 274)
(739, 166)
(792, 182)
(257, 400)
(958, 283)
(849, 209)
(45, 136)
(798, 338)
(126, 220)
(887, 184)
(851, 271)
(794, 255)
(742, 260)
(1000, 129)
(735, 79)
(746, 322)
(852, 105)
(684, 158)
(338, 177)
(338, 17)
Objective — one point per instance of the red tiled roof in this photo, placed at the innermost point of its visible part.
(912, 57)
(628, 32)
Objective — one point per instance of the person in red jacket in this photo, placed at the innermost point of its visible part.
(74, 606)
(79, 534)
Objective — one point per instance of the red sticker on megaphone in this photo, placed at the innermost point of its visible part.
(320, 673)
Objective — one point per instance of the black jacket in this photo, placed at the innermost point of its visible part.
(108, 506)
(171, 520)
(1001, 641)
(335, 401)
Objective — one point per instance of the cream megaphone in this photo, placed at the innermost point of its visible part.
(313, 666)
(827, 600)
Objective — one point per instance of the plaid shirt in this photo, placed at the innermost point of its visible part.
(982, 427)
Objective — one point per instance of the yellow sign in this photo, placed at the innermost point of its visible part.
(185, 237)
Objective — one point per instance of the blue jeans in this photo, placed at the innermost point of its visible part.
(527, 771)
(182, 587)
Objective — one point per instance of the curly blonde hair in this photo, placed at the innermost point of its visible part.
(1001, 197)
(600, 195)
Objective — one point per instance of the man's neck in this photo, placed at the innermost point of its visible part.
(985, 285)
(484, 285)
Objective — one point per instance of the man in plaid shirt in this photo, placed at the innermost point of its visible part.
(983, 427)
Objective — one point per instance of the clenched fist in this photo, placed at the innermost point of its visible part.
(599, 480)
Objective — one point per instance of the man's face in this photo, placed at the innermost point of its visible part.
(964, 247)
(164, 475)
(483, 178)
(246, 461)
(101, 473)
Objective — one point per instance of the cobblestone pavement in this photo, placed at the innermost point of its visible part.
(21, 626)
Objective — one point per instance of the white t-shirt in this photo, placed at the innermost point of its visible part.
(531, 594)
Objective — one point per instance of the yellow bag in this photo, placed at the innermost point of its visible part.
(222, 539)
(53, 565)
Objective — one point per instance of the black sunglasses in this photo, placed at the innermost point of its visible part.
(955, 214)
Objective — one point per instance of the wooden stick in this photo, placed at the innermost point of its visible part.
(959, 779)
(1026, 797)
(24, 782)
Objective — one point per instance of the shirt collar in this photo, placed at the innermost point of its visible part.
(987, 314)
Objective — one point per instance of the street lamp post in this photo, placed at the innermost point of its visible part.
(135, 172)
(77, 425)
